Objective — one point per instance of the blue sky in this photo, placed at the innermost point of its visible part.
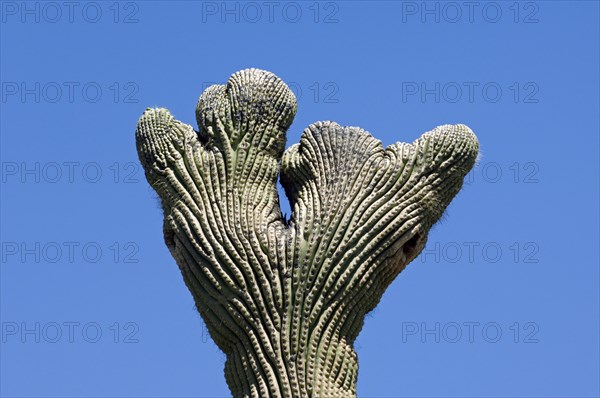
(503, 302)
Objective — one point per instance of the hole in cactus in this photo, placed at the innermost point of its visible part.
(410, 247)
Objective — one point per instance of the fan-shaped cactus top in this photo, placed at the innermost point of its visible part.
(285, 299)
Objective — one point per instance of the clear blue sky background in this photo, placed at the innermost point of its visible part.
(517, 253)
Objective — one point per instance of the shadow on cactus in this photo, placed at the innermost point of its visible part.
(286, 299)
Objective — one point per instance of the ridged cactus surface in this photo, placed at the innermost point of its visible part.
(286, 299)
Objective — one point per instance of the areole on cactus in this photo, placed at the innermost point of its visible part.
(286, 299)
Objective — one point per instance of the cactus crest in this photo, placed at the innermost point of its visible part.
(286, 299)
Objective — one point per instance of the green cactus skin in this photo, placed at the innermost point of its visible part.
(286, 299)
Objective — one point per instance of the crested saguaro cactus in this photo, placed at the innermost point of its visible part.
(286, 299)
